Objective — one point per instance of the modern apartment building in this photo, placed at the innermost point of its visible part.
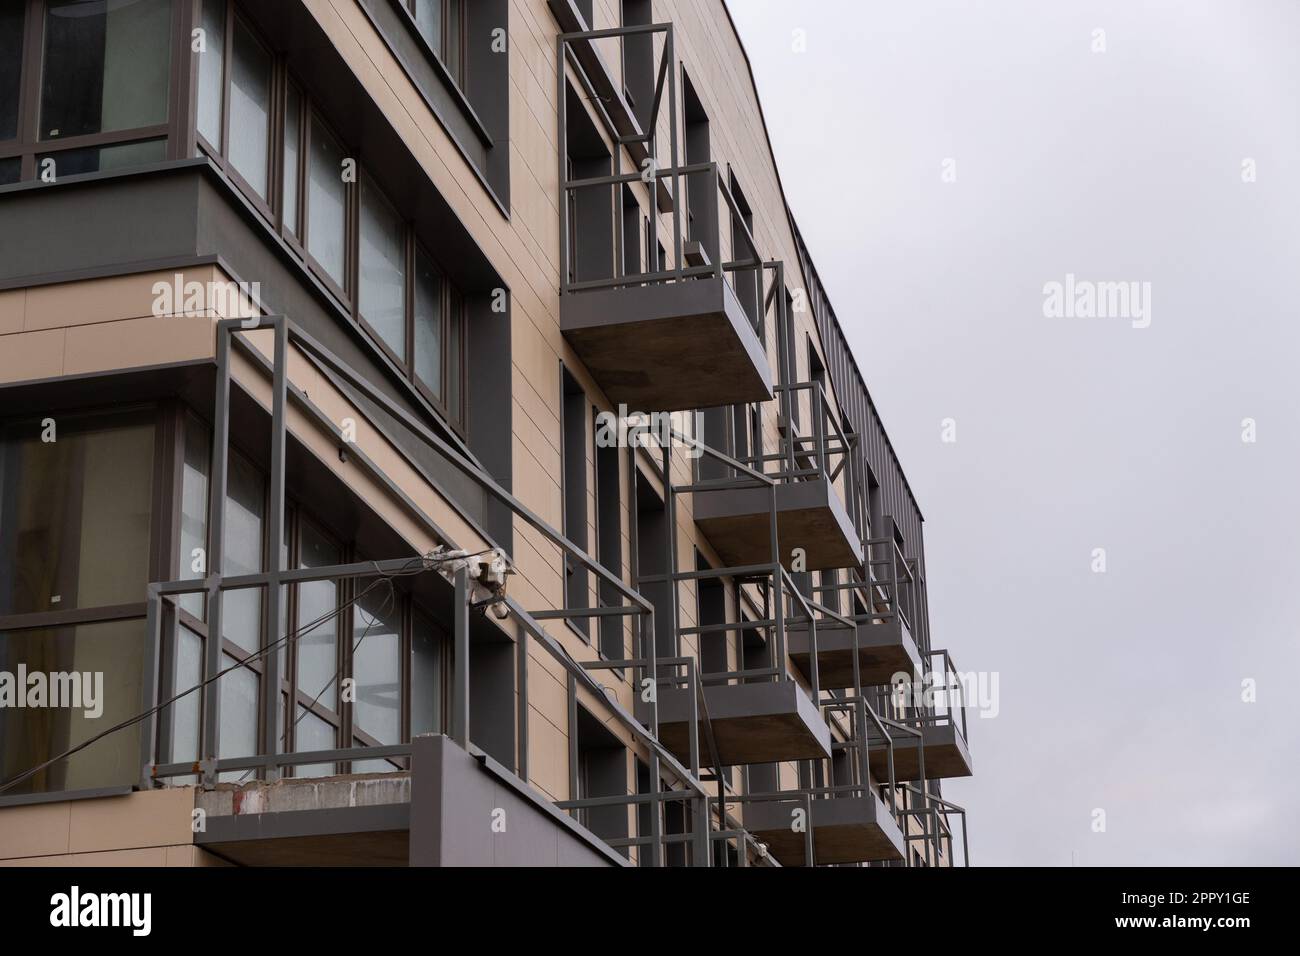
(423, 422)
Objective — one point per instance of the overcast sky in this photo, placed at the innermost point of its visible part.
(1121, 690)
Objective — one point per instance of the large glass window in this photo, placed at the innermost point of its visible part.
(250, 110)
(239, 702)
(355, 240)
(11, 60)
(438, 314)
(193, 541)
(326, 203)
(106, 66)
(442, 24)
(428, 323)
(30, 736)
(241, 613)
(318, 647)
(393, 652)
(377, 665)
(212, 70)
(75, 509)
(382, 293)
(292, 154)
(76, 533)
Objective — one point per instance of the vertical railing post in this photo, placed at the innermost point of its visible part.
(460, 661)
(563, 150)
(149, 685)
(521, 679)
(271, 730)
(219, 470)
(672, 147)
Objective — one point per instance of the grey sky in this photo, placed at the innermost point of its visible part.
(1121, 690)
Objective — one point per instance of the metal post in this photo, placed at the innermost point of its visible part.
(672, 149)
(521, 678)
(460, 662)
(217, 482)
(149, 685)
(271, 730)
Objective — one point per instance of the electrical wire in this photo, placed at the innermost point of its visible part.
(338, 671)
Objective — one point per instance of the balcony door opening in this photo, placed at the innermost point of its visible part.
(601, 772)
(701, 187)
(714, 648)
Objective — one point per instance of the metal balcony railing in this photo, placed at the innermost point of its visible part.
(268, 759)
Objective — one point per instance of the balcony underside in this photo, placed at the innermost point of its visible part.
(439, 814)
(810, 516)
(845, 830)
(668, 346)
(884, 649)
(752, 723)
(946, 755)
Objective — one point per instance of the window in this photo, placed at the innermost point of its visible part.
(314, 684)
(85, 86)
(292, 158)
(33, 736)
(355, 241)
(439, 338)
(326, 203)
(250, 110)
(75, 513)
(106, 66)
(102, 159)
(385, 642)
(234, 96)
(382, 296)
(429, 327)
(76, 533)
(442, 24)
(11, 59)
(377, 665)
(212, 71)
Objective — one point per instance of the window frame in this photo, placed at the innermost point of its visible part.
(164, 514)
(27, 144)
(452, 407)
(343, 717)
(457, 73)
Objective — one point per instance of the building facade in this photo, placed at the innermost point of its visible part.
(424, 438)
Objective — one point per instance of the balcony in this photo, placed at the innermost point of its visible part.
(750, 723)
(752, 711)
(427, 817)
(665, 346)
(660, 335)
(845, 829)
(666, 315)
(882, 633)
(884, 648)
(929, 733)
(814, 471)
(847, 821)
(941, 743)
